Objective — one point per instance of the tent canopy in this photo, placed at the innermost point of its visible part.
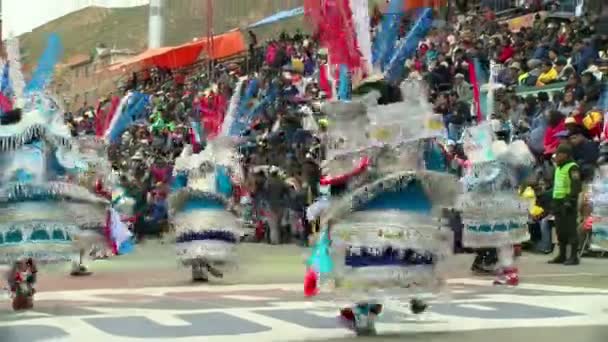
(219, 47)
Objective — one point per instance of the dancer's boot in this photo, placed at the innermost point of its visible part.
(418, 306)
(199, 274)
(508, 276)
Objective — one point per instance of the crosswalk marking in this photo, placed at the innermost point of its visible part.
(246, 298)
(280, 319)
(477, 307)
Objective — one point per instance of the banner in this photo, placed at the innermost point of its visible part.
(476, 93)
(527, 20)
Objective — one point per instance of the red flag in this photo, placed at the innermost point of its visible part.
(476, 94)
(5, 103)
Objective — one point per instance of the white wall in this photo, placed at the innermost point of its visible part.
(21, 16)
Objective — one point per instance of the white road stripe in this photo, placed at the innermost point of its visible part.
(249, 298)
(592, 309)
(477, 307)
(528, 286)
(559, 275)
(87, 295)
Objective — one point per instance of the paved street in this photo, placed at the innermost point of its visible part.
(130, 298)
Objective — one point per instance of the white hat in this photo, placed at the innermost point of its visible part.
(138, 155)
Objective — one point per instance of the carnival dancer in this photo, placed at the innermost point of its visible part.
(21, 279)
(494, 215)
(380, 238)
(598, 236)
(44, 217)
(366, 252)
(206, 233)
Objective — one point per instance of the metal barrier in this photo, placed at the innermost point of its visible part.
(505, 7)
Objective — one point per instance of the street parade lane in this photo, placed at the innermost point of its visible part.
(469, 311)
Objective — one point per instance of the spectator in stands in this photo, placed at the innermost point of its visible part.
(506, 51)
(548, 74)
(556, 124)
(541, 52)
(543, 191)
(534, 70)
(574, 85)
(508, 76)
(462, 88)
(584, 152)
(585, 53)
(591, 88)
(538, 125)
(564, 70)
(568, 104)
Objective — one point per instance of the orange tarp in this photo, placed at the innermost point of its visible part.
(224, 45)
(148, 54)
(436, 4)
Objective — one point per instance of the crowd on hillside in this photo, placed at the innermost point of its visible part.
(283, 137)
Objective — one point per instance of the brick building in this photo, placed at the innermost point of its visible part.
(83, 79)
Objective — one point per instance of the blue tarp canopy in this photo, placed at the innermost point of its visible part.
(279, 16)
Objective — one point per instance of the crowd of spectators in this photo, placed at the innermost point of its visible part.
(570, 55)
(282, 149)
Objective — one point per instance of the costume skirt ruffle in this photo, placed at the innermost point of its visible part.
(481, 234)
(46, 242)
(214, 251)
(493, 219)
(599, 231)
(388, 249)
(208, 234)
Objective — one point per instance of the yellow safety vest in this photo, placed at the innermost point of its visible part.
(562, 183)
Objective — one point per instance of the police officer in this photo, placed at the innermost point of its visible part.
(566, 188)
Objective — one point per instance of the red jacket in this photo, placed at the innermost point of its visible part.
(506, 53)
(551, 141)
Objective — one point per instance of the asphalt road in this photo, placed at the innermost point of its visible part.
(578, 334)
(154, 264)
(148, 296)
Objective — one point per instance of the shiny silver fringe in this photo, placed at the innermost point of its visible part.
(16, 141)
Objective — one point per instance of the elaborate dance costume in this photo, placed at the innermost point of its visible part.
(493, 214)
(378, 239)
(382, 236)
(207, 233)
(599, 221)
(21, 280)
(44, 216)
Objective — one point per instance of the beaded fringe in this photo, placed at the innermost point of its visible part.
(178, 199)
(442, 190)
(16, 141)
(51, 190)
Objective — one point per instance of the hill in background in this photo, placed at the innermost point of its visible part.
(127, 28)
